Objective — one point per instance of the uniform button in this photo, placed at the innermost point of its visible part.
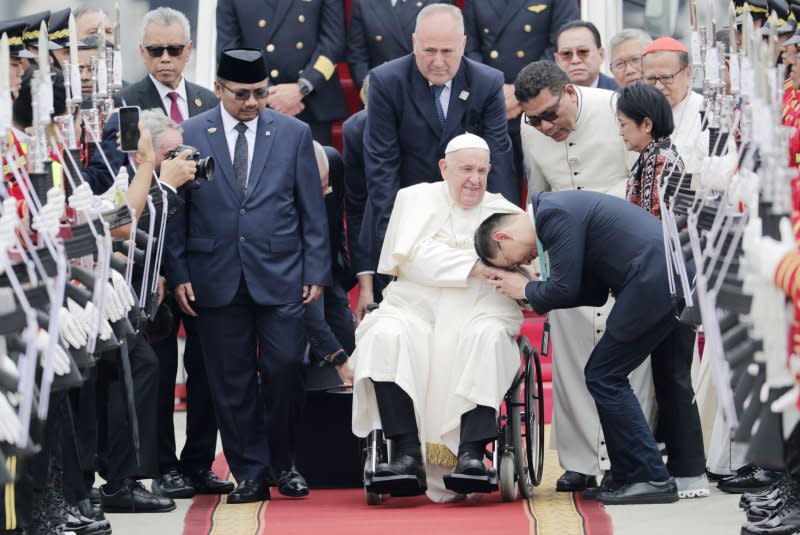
(486, 30)
(299, 45)
(270, 48)
(379, 38)
(520, 54)
(494, 54)
(527, 28)
(241, 238)
(419, 4)
(273, 73)
(301, 19)
(262, 23)
(243, 211)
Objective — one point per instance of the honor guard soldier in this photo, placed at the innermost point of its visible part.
(380, 32)
(508, 36)
(302, 42)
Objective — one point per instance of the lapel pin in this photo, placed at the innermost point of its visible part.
(212, 130)
(464, 95)
(198, 102)
(267, 133)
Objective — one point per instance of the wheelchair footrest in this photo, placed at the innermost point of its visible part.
(398, 486)
(467, 484)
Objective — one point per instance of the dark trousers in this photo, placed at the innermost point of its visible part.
(116, 450)
(631, 447)
(329, 324)
(201, 424)
(321, 131)
(240, 341)
(397, 416)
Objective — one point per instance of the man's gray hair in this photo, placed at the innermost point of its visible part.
(430, 9)
(165, 16)
(626, 35)
(84, 10)
(157, 122)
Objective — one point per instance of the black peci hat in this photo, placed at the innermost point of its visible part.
(242, 65)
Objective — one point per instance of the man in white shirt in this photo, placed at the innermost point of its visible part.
(570, 141)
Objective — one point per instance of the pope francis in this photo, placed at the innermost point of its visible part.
(432, 364)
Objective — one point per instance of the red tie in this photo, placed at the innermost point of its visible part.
(174, 110)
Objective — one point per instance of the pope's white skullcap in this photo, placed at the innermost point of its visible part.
(466, 141)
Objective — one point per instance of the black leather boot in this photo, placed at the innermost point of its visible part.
(784, 521)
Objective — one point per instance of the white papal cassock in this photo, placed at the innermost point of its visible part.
(444, 338)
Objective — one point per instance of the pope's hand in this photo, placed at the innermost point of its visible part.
(509, 283)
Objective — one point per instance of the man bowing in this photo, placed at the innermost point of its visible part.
(248, 252)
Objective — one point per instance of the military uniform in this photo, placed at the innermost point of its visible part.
(380, 31)
(302, 41)
(507, 35)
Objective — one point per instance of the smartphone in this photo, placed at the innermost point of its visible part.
(129, 128)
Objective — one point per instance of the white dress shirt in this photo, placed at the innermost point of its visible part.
(163, 92)
(444, 98)
(229, 123)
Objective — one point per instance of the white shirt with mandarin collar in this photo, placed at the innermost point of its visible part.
(229, 123)
(163, 91)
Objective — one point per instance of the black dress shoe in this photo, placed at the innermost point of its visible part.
(646, 492)
(83, 525)
(132, 497)
(785, 521)
(207, 482)
(290, 483)
(249, 491)
(469, 465)
(750, 479)
(94, 495)
(606, 484)
(90, 510)
(574, 481)
(172, 485)
(404, 476)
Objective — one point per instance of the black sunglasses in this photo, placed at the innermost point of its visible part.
(156, 51)
(549, 115)
(244, 94)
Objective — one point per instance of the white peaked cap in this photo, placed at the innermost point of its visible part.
(466, 141)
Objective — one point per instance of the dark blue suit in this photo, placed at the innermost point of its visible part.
(248, 259)
(404, 141)
(379, 33)
(599, 244)
(606, 82)
(355, 188)
(300, 40)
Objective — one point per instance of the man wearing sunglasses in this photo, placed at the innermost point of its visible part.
(570, 142)
(580, 54)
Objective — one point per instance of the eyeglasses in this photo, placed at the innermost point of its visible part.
(665, 79)
(634, 62)
(549, 115)
(566, 55)
(156, 51)
(244, 94)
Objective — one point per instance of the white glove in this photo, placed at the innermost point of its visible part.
(114, 308)
(79, 314)
(61, 361)
(10, 426)
(764, 253)
(122, 288)
(105, 327)
(71, 329)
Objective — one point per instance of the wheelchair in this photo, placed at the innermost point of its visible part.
(516, 454)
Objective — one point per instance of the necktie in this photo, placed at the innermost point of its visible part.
(437, 102)
(174, 110)
(240, 158)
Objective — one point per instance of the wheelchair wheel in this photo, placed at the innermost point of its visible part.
(515, 407)
(534, 414)
(508, 479)
(375, 451)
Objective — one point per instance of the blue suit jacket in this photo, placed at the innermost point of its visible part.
(277, 236)
(404, 141)
(355, 188)
(598, 243)
(606, 82)
(509, 35)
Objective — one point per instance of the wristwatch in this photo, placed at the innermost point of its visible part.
(305, 87)
(340, 357)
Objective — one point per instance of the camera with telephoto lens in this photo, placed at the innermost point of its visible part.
(205, 166)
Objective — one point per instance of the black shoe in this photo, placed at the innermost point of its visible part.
(471, 475)
(405, 476)
(761, 510)
(290, 483)
(783, 484)
(172, 485)
(750, 479)
(469, 465)
(83, 525)
(644, 492)
(785, 521)
(94, 495)
(207, 482)
(249, 491)
(607, 483)
(574, 481)
(134, 498)
(90, 510)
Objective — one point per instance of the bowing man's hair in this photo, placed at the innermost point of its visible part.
(430, 9)
(639, 100)
(536, 76)
(486, 246)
